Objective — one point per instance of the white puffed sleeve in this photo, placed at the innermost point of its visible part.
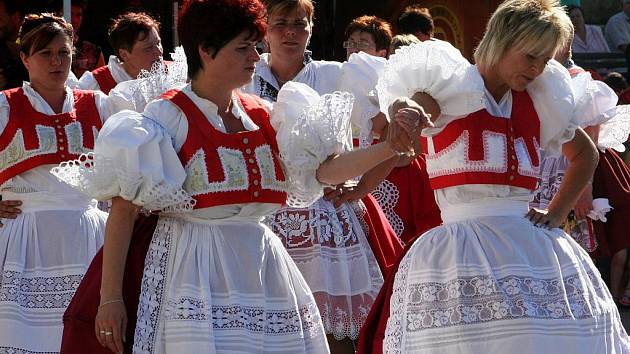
(592, 99)
(554, 102)
(309, 129)
(436, 68)
(359, 76)
(134, 159)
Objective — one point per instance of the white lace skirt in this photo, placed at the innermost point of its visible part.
(331, 249)
(44, 254)
(498, 284)
(221, 287)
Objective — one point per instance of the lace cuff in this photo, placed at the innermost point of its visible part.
(309, 129)
(133, 158)
(359, 76)
(615, 131)
(101, 179)
(436, 68)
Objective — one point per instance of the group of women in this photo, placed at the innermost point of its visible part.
(221, 229)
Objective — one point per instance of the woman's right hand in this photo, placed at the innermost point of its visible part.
(110, 325)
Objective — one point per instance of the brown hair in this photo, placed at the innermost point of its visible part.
(284, 6)
(129, 28)
(229, 18)
(38, 30)
(416, 19)
(380, 30)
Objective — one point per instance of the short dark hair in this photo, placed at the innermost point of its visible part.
(380, 30)
(38, 30)
(283, 6)
(415, 19)
(211, 24)
(130, 27)
(616, 81)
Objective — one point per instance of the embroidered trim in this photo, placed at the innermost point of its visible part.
(526, 166)
(387, 195)
(16, 151)
(38, 292)
(234, 169)
(265, 161)
(495, 156)
(74, 134)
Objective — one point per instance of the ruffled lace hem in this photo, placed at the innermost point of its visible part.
(615, 131)
(101, 179)
(436, 68)
(309, 129)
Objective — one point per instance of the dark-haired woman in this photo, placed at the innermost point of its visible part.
(45, 250)
(216, 280)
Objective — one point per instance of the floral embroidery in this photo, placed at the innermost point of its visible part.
(17, 152)
(265, 160)
(74, 134)
(479, 299)
(11, 350)
(234, 168)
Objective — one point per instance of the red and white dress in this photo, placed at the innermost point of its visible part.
(46, 249)
(216, 279)
(104, 78)
(488, 280)
(341, 252)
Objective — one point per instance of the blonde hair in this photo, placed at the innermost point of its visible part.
(536, 27)
(402, 40)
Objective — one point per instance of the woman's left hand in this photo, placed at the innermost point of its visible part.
(544, 218)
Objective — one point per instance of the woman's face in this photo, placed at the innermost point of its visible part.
(50, 65)
(234, 63)
(360, 41)
(517, 69)
(577, 18)
(145, 51)
(288, 34)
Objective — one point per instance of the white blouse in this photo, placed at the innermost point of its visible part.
(88, 82)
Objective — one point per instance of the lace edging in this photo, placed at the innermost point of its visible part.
(615, 131)
(322, 130)
(101, 179)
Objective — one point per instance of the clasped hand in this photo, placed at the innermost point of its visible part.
(408, 119)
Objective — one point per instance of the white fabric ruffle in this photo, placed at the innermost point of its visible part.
(614, 132)
(592, 99)
(309, 129)
(436, 68)
(359, 76)
(601, 206)
(554, 100)
(133, 158)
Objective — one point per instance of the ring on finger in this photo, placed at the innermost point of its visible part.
(109, 333)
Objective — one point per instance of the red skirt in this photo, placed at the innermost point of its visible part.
(612, 181)
(78, 320)
(384, 243)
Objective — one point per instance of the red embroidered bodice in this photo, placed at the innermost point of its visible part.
(32, 139)
(483, 149)
(104, 78)
(234, 168)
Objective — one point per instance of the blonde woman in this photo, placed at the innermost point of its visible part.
(497, 277)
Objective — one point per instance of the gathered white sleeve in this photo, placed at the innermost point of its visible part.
(554, 101)
(592, 100)
(88, 82)
(436, 68)
(309, 129)
(359, 76)
(133, 158)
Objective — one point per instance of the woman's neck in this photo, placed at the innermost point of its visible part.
(131, 70)
(218, 94)
(285, 70)
(55, 97)
(493, 83)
